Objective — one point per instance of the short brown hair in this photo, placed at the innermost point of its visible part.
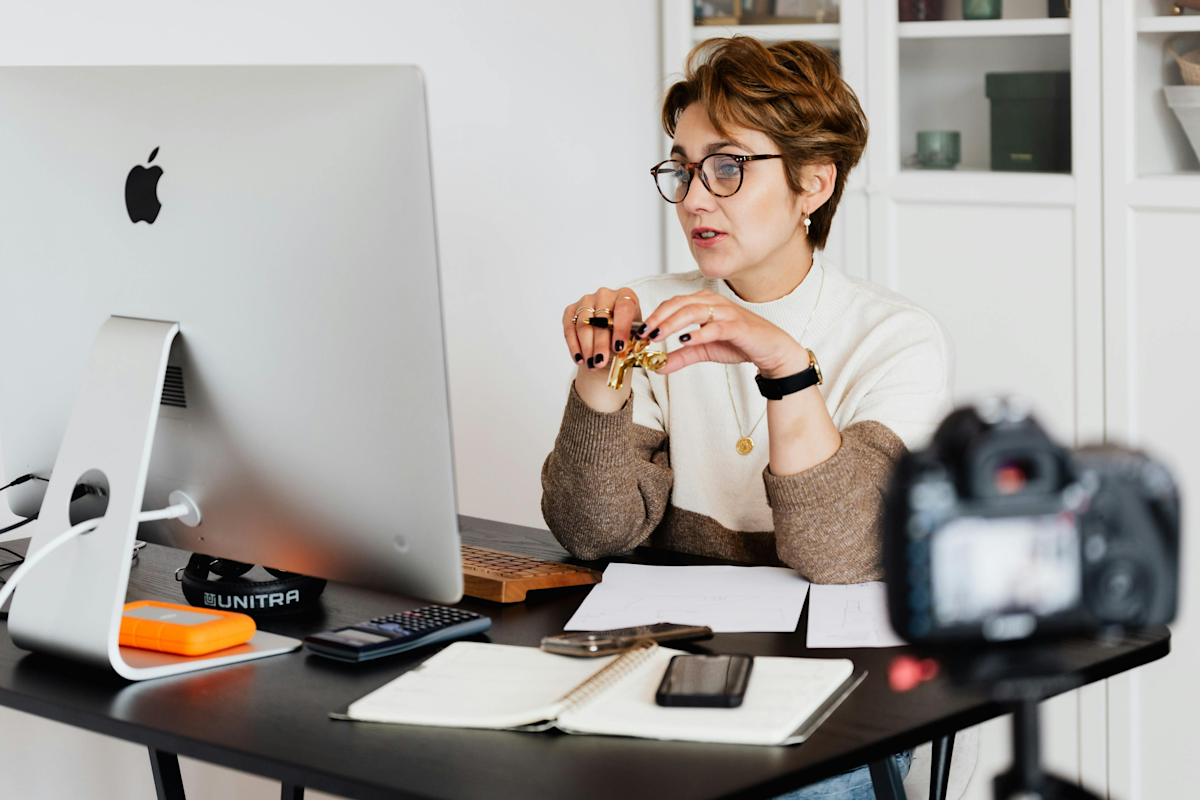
(792, 92)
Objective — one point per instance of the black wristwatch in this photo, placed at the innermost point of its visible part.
(778, 388)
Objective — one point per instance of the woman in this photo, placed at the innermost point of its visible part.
(701, 460)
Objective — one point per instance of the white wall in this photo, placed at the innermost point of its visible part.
(543, 120)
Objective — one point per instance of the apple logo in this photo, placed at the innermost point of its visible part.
(141, 192)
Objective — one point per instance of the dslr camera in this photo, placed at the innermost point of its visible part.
(995, 533)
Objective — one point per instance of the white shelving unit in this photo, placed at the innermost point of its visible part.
(829, 33)
(1180, 24)
(983, 188)
(1151, 210)
(932, 97)
(960, 28)
(1161, 147)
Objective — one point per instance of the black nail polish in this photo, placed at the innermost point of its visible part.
(618, 345)
(578, 357)
(685, 337)
(590, 364)
(641, 329)
(655, 332)
(599, 358)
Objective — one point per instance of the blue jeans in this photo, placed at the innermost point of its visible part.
(852, 785)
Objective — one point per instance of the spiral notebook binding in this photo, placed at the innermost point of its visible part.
(626, 664)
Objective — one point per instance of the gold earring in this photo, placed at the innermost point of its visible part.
(807, 223)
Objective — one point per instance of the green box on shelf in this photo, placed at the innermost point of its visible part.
(1031, 121)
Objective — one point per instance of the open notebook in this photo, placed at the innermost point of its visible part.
(479, 685)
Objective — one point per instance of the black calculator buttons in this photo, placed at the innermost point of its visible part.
(404, 631)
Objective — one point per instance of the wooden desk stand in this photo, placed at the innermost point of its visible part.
(506, 578)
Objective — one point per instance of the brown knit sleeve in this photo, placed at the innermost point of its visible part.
(827, 518)
(606, 484)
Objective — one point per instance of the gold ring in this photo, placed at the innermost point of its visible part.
(575, 321)
(710, 314)
(626, 297)
(599, 311)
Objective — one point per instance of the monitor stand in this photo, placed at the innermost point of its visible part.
(70, 605)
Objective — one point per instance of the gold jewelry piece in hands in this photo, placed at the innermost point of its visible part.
(637, 355)
(575, 321)
(710, 314)
(603, 311)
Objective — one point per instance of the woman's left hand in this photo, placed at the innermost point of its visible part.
(728, 335)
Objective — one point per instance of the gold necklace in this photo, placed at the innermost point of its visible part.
(745, 445)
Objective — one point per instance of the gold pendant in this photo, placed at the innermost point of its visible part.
(745, 445)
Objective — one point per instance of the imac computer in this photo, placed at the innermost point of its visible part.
(221, 282)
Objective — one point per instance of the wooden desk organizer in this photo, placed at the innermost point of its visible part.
(506, 578)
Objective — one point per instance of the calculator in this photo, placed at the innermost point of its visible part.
(386, 636)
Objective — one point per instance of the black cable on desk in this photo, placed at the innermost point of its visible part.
(18, 482)
(20, 560)
(18, 525)
(24, 479)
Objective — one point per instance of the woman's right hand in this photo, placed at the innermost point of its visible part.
(592, 348)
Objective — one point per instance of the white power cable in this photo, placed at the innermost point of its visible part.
(170, 512)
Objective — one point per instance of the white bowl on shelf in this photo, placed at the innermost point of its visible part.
(1185, 102)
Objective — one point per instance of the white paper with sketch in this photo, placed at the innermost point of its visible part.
(854, 615)
(726, 599)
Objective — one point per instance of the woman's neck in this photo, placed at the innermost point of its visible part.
(774, 277)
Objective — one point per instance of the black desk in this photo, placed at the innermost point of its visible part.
(270, 717)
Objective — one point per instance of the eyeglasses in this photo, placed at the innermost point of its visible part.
(721, 174)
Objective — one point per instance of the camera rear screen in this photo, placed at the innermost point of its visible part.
(989, 566)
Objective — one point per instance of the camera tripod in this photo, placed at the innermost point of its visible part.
(1020, 678)
(1026, 780)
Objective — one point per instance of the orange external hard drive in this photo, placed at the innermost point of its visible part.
(182, 630)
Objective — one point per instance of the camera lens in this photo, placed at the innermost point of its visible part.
(1010, 477)
(1122, 592)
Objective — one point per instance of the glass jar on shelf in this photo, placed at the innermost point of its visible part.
(716, 12)
(982, 9)
(800, 11)
(921, 10)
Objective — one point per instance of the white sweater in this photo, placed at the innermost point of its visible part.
(882, 358)
(664, 469)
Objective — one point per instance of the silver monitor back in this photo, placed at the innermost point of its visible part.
(306, 408)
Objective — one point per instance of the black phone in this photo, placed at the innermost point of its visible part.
(704, 681)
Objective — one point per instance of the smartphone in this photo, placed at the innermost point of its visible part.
(604, 643)
(705, 681)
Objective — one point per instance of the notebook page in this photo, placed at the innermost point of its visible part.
(782, 694)
(479, 685)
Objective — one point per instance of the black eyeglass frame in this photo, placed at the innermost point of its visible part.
(697, 166)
